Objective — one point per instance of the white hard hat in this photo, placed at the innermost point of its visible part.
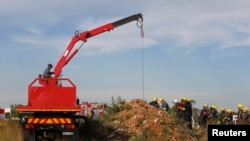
(175, 101)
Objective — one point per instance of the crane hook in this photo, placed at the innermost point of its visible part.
(140, 25)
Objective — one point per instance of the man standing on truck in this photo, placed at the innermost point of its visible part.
(47, 73)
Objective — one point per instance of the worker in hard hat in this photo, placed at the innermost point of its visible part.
(246, 110)
(222, 116)
(213, 113)
(180, 107)
(229, 117)
(240, 111)
(188, 112)
(203, 117)
(184, 99)
(154, 102)
(122, 101)
(164, 105)
(175, 105)
(246, 116)
(175, 101)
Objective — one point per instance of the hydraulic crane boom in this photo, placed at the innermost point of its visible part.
(67, 55)
(53, 110)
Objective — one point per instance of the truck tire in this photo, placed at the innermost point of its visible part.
(29, 136)
(76, 136)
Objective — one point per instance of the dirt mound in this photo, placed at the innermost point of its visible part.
(139, 119)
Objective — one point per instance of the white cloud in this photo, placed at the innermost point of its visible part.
(218, 29)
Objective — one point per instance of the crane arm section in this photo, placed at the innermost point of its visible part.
(68, 55)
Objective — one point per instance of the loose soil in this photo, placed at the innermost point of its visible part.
(137, 120)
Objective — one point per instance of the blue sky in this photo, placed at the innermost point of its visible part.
(197, 49)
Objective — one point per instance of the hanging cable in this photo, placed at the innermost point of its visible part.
(142, 70)
(140, 25)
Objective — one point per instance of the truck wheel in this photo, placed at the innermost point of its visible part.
(76, 136)
(29, 136)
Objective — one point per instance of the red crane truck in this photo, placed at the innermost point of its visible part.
(52, 110)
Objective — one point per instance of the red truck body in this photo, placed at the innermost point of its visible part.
(51, 96)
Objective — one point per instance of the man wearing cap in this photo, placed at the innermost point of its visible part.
(47, 73)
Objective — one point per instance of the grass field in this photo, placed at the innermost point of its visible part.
(10, 130)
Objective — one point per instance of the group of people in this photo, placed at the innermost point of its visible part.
(161, 104)
(184, 110)
(210, 115)
(207, 115)
(241, 116)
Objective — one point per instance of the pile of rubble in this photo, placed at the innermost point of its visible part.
(139, 119)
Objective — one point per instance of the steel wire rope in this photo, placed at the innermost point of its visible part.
(142, 54)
